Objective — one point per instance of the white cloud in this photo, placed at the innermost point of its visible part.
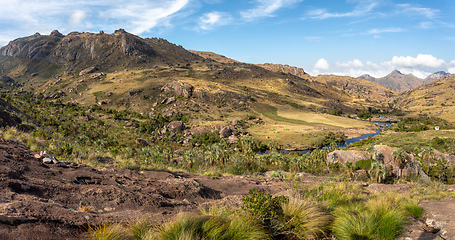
(77, 17)
(363, 8)
(143, 18)
(214, 19)
(29, 16)
(266, 8)
(314, 39)
(426, 25)
(411, 9)
(421, 61)
(356, 63)
(385, 30)
(420, 66)
(322, 64)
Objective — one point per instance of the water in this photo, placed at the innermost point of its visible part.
(346, 141)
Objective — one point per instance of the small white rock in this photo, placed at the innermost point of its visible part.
(48, 160)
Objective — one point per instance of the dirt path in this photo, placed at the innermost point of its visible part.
(59, 201)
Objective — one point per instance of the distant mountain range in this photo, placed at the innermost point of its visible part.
(403, 82)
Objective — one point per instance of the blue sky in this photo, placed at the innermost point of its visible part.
(344, 37)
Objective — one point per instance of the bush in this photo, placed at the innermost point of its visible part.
(364, 164)
(364, 114)
(263, 206)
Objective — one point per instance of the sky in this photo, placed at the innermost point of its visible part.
(342, 37)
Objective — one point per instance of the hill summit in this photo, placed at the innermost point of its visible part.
(77, 51)
(403, 82)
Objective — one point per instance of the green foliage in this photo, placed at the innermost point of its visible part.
(205, 139)
(364, 164)
(332, 195)
(419, 124)
(106, 231)
(337, 112)
(303, 219)
(263, 206)
(413, 209)
(378, 172)
(364, 114)
(222, 226)
(375, 220)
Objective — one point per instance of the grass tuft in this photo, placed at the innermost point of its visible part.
(107, 231)
(304, 219)
(377, 219)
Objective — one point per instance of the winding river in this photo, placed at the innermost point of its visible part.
(346, 142)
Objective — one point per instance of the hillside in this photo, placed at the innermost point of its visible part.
(152, 77)
(369, 92)
(357, 88)
(436, 98)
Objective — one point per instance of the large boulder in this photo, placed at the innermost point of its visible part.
(383, 154)
(199, 130)
(409, 165)
(225, 132)
(87, 71)
(177, 125)
(179, 89)
(447, 157)
(343, 156)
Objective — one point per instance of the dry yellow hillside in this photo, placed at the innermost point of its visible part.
(436, 99)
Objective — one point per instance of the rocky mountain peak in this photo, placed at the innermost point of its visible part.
(79, 51)
(56, 33)
(437, 75)
(396, 72)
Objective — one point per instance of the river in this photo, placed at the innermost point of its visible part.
(346, 142)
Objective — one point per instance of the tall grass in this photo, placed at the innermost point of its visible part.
(303, 219)
(220, 224)
(107, 231)
(331, 195)
(376, 219)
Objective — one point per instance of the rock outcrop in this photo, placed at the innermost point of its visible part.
(179, 89)
(343, 156)
(385, 155)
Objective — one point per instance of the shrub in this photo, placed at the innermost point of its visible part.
(263, 206)
(364, 164)
(364, 114)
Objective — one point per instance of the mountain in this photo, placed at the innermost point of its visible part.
(436, 98)
(45, 55)
(396, 80)
(361, 89)
(437, 76)
(355, 87)
(122, 71)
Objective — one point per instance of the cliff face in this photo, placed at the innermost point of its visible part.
(82, 50)
(299, 72)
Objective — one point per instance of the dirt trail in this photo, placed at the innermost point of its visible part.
(59, 201)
